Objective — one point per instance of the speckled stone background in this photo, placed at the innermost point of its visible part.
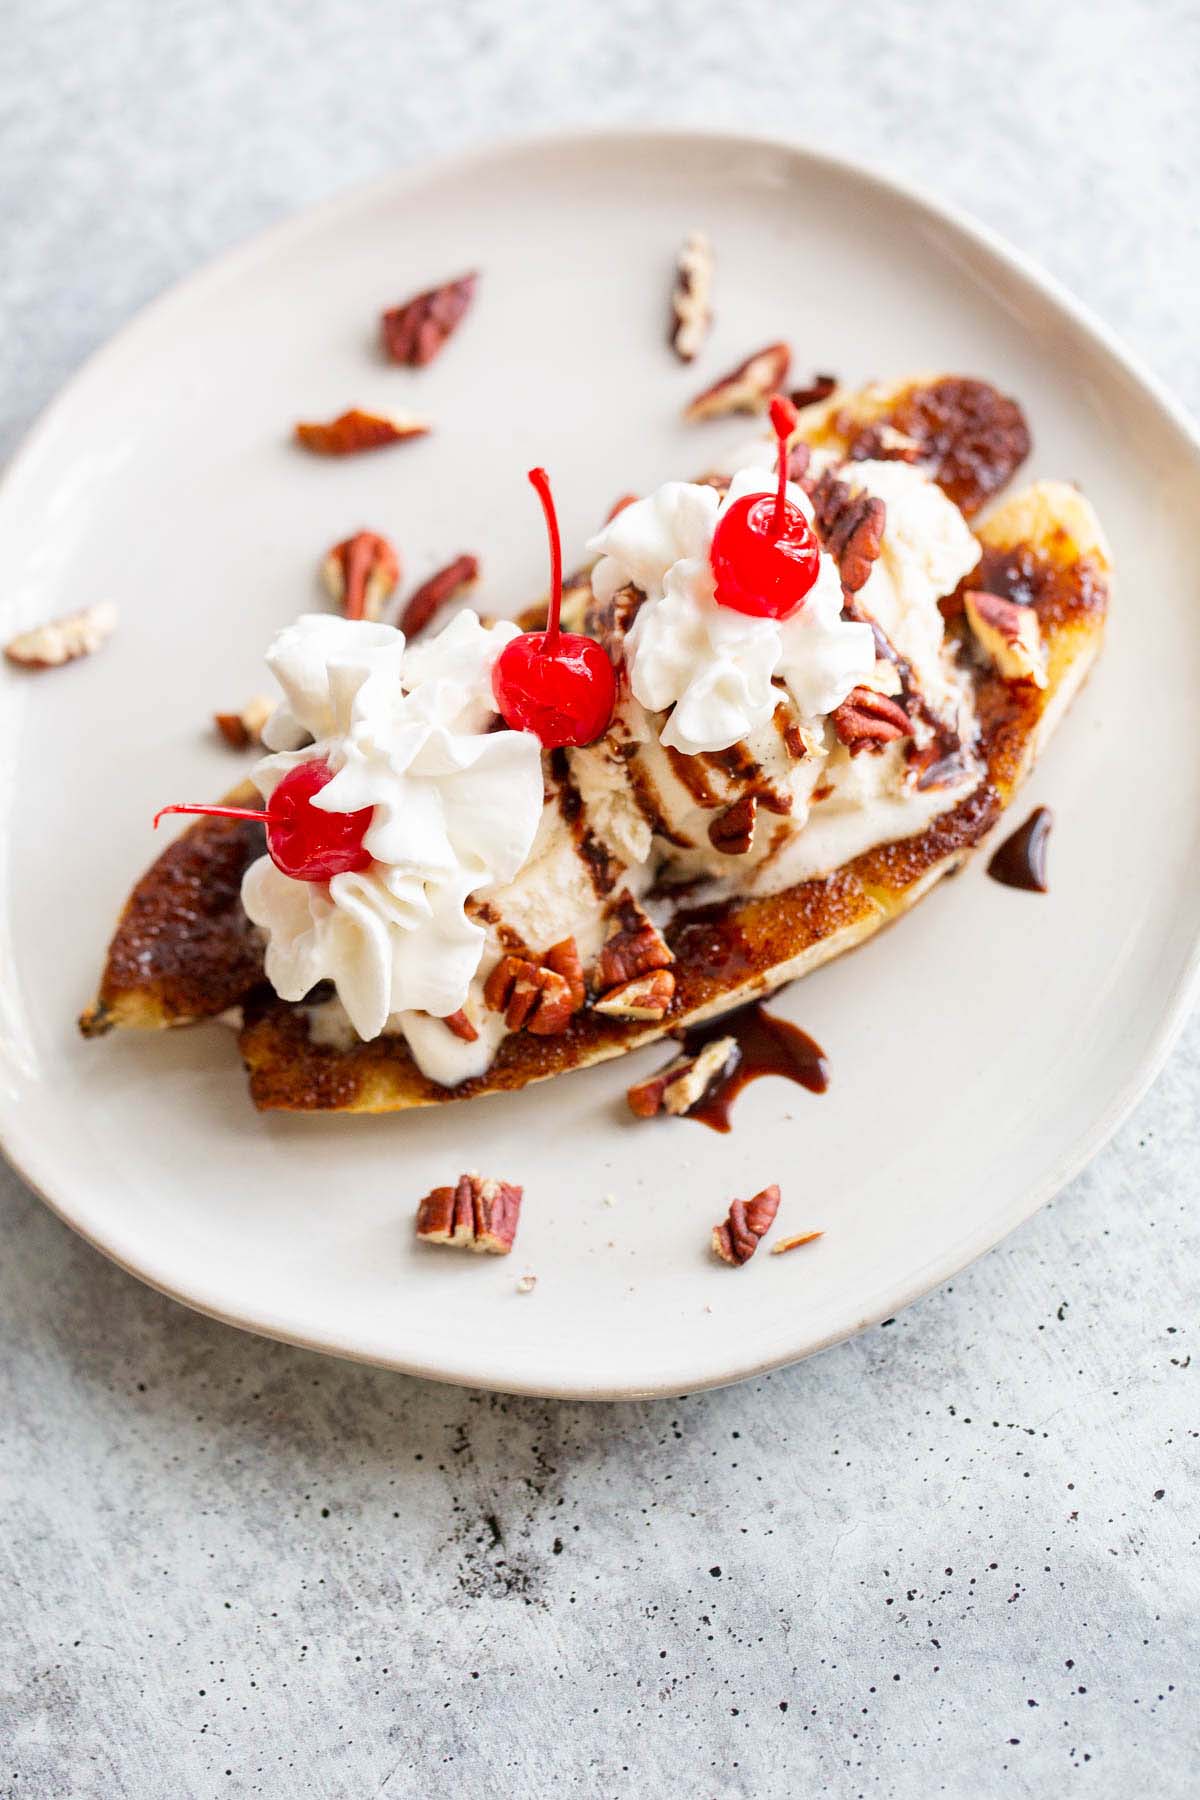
(957, 1556)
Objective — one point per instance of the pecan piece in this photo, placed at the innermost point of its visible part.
(685, 1080)
(883, 443)
(736, 1238)
(634, 947)
(499, 986)
(645, 997)
(795, 1243)
(441, 586)
(361, 574)
(523, 995)
(461, 1026)
(563, 958)
(744, 389)
(732, 832)
(691, 310)
(532, 997)
(243, 730)
(63, 640)
(356, 430)
(850, 527)
(799, 457)
(475, 1214)
(415, 332)
(867, 720)
(818, 389)
(1008, 634)
(553, 1005)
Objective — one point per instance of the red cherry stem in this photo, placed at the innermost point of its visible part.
(220, 812)
(783, 423)
(540, 481)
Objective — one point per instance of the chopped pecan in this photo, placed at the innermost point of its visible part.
(415, 332)
(356, 430)
(795, 1243)
(634, 947)
(523, 995)
(883, 443)
(553, 1006)
(732, 832)
(563, 958)
(461, 1026)
(499, 986)
(475, 1214)
(736, 1238)
(532, 997)
(850, 527)
(691, 309)
(1008, 634)
(746, 388)
(799, 457)
(243, 730)
(645, 997)
(685, 1080)
(361, 574)
(441, 586)
(867, 720)
(63, 640)
(818, 389)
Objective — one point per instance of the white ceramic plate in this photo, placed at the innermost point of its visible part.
(980, 1053)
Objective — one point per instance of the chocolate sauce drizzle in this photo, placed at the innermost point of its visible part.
(1020, 862)
(766, 1046)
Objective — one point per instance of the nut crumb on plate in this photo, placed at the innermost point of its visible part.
(744, 389)
(243, 730)
(356, 430)
(416, 331)
(444, 584)
(63, 640)
(476, 1214)
(795, 1243)
(691, 298)
(735, 1239)
(361, 574)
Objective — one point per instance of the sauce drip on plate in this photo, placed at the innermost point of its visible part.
(767, 1046)
(1020, 862)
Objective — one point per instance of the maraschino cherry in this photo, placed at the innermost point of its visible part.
(765, 554)
(303, 841)
(557, 684)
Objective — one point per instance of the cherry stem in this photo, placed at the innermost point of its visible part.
(219, 812)
(783, 423)
(540, 481)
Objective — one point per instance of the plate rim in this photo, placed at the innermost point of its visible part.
(22, 1151)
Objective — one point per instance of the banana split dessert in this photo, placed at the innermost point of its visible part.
(782, 701)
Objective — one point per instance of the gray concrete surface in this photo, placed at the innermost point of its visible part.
(957, 1556)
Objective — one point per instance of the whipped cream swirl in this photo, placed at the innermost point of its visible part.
(456, 807)
(716, 667)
